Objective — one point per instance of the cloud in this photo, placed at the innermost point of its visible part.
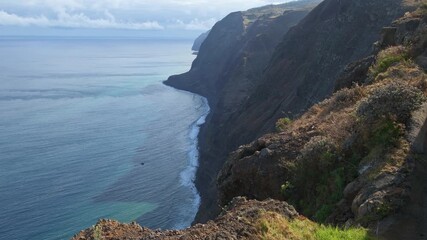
(194, 24)
(121, 14)
(79, 20)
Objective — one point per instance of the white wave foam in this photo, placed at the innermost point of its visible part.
(188, 176)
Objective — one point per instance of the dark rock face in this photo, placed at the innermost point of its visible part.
(227, 69)
(354, 73)
(256, 170)
(199, 41)
(247, 95)
(312, 55)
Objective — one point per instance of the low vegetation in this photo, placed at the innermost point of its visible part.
(319, 178)
(357, 134)
(272, 226)
(387, 58)
(282, 124)
(394, 100)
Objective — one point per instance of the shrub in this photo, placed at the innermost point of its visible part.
(422, 9)
(394, 101)
(387, 58)
(317, 172)
(323, 213)
(321, 173)
(286, 188)
(385, 133)
(282, 124)
(319, 151)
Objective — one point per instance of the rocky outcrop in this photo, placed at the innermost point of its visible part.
(227, 70)
(199, 41)
(237, 221)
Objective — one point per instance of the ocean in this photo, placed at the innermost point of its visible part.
(88, 131)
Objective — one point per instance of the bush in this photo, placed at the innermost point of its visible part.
(323, 213)
(282, 124)
(286, 188)
(387, 58)
(319, 150)
(344, 98)
(385, 133)
(394, 101)
(316, 175)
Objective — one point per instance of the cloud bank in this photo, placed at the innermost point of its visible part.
(79, 20)
(121, 14)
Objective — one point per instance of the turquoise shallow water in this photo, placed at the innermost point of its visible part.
(78, 117)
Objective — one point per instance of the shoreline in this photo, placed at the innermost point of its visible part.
(188, 175)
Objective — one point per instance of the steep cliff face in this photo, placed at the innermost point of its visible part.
(199, 41)
(307, 62)
(227, 69)
(358, 157)
(281, 81)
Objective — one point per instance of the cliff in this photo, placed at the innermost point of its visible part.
(199, 41)
(227, 70)
(358, 157)
(250, 88)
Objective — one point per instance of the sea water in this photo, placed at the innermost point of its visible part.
(88, 131)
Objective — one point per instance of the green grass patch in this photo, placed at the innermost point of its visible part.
(387, 58)
(274, 226)
(334, 233)
(282, 124)
(385, 63)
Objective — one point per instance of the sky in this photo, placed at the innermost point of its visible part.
(123, 16)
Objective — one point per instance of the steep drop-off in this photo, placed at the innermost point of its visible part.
(199, 41)
(250, 88)
(227, 70)
(358, 157)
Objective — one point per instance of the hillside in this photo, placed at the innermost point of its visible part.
(350, 158)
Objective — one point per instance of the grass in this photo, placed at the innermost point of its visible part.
(272, 226)
(334, 233)
(282, 124)
(387, 58)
